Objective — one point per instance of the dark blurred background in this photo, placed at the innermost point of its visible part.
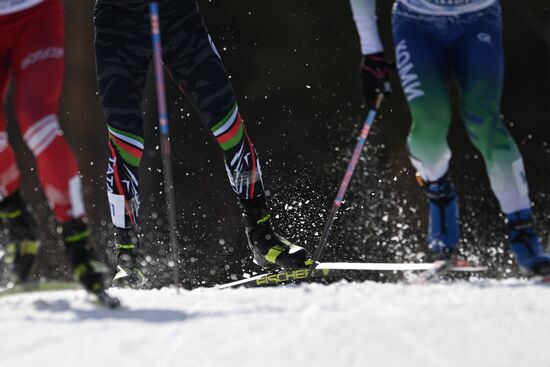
(293, 65)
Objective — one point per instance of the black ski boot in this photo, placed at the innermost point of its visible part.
(86, 268)
(22, 237)
(269, 248)
(130, 261)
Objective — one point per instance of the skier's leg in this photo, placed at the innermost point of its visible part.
(22, 243)
(37, 62)
(123, 52)
(478, 62)
(10, 177)
(424, 72)
(196, 66)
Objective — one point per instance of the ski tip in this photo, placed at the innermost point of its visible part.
(470, 268)
(542, 279)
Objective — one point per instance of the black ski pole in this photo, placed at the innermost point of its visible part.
(164, 136)
(371, 116)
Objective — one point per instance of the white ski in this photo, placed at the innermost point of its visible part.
(376, 266)
(325, 270)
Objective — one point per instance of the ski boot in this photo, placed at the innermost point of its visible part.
(130, 261)
(443, 231)
(20, 230)
(269, 248)
(90, 272)
(85, 266)
(525, 244)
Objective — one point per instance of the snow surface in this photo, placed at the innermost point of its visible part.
(490, 323)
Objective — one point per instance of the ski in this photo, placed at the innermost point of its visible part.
(541, 279)
(335, 269)
(443, 266)
(102, 298)
(32, 287)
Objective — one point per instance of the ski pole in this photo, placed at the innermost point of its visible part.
(371, 116)
(164, 136)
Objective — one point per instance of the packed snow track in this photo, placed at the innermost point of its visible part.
(505, 323)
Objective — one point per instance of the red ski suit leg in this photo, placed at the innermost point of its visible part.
(10, 177)
(36, 61)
